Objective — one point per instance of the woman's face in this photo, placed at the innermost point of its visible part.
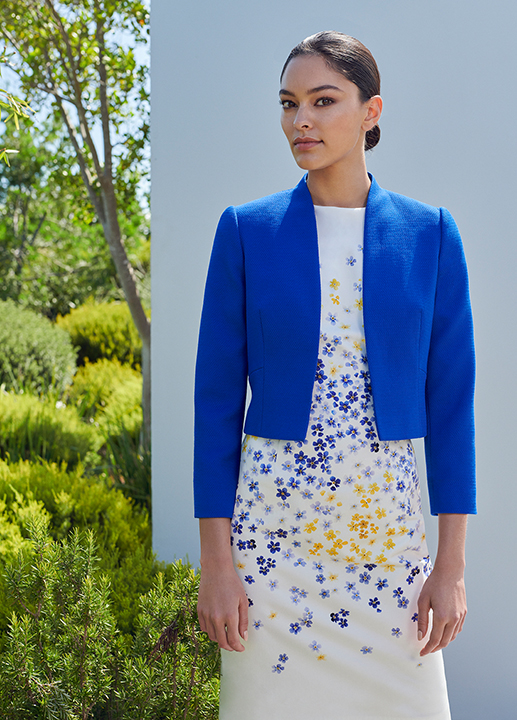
(323, 116)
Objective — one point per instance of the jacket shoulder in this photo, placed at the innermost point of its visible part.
(265, 210)
(413, 210)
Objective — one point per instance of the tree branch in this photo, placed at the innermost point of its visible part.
(103, 95)
(76, 86)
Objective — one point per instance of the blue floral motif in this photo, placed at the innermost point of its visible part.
(375, 604)
(340, 617)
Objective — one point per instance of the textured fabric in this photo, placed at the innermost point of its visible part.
(418, 332)
(328, 538)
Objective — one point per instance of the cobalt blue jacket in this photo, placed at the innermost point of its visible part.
(261, 322)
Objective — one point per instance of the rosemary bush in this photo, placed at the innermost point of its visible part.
(64, 657)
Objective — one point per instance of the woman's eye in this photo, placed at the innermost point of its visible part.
(287, 104)
(325, 101)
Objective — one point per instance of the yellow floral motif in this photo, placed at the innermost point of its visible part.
(316, 548)
(358, 345)
(311, 527)
(358, 488)
(334, 284)
(381, 559)
(330, 534)
(388, 477)
(334, 298)
(389, 544)
(241, 566)
(402, 530)
(365, 502)
(390, 531)
(339, 543)
(366, 554)
(322, 657)
(345, 327)
(373, 488)
(380, 512)
(389, 567)
(332, 577)
(359, 304)
(272, 615)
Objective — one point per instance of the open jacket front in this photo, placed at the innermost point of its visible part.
(261, 321)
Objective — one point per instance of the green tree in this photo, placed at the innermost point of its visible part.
(50, 259)
(83, 57)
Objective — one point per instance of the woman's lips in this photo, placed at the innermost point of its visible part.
(306, 143)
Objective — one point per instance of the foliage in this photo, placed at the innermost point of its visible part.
(83, 58)
(50, 259)
(16, 108)
(172, 670)
(129, 465)
(103, 330)
(64, 658)
(82, 50)
(33, 428)
(107, 392)
(73, 501)
(34, 354)
(60, 638)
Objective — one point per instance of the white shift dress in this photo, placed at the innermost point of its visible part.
(328, 539)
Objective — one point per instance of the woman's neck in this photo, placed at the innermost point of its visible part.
(333, 186)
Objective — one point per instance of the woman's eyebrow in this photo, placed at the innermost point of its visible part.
(312, 91)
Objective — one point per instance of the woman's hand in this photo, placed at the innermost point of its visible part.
(445, 596)
(222, 605)
(444, 590)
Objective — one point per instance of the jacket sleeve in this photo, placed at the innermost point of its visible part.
(449, 444)
(221, 375)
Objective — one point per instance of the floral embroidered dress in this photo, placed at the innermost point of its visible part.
(328, 538)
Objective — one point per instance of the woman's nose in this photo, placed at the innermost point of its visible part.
(302, 119)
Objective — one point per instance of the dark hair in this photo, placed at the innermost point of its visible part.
(349, 57)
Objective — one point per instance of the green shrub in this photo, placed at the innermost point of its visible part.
(129, 465)
(103, 330)
(71, 500)
(63, 657)
(59, 649)
(33, 428)
(172, 669)
(35, 354)
(108, 393)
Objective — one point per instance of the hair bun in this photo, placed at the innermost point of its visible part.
(372, 137)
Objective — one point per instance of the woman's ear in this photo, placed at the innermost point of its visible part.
(374, 111)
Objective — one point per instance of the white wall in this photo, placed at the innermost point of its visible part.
(448, 138)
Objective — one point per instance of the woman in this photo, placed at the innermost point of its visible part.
(346, 307)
